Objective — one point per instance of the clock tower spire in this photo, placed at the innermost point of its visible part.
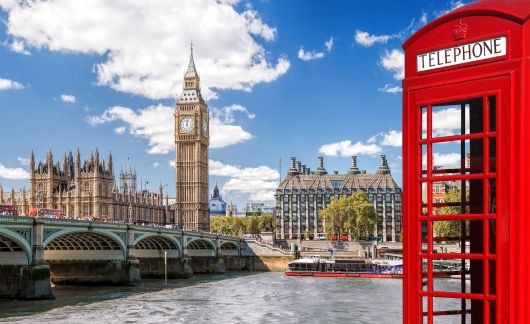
(191, 153)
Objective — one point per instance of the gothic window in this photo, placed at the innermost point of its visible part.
(87, 188)
(86, 209)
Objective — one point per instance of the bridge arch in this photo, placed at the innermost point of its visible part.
(153, 246)
(228, 248)
(74, 244)
(12, 248)
(201, 247)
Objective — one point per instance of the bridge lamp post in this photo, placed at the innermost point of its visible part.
(165, 268)
(130, 213)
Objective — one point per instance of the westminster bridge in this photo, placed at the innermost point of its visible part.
(35, 252)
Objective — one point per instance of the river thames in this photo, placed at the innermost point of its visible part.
(229, 298)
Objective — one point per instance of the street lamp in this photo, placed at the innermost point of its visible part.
(130, 213)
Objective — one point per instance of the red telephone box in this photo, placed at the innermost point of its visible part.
(466, 137)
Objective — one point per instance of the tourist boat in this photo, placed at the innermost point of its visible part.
(342, 268)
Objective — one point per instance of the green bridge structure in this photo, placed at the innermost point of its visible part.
(36, 251)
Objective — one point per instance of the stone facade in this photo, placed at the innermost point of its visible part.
(191, 153)
(304, 193)
(86, 189)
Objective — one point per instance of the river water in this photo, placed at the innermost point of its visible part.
(227, 298)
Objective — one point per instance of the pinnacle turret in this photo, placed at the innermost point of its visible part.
(354, 169)
(321, 169)
(383, 167)
(192, 88)
(191, 71)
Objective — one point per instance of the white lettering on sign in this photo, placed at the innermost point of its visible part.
(466, 53)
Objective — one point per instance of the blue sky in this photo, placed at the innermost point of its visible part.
(282, 78)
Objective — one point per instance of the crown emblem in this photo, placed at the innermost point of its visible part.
(460, 30)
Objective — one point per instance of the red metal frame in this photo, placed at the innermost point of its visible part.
(499, 280)
(497, 87)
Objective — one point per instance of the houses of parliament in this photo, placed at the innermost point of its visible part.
(87, 188)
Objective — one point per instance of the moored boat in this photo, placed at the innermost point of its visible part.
(344, 268)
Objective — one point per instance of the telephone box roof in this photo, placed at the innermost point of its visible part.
(514, 10)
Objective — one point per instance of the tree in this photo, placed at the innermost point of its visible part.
(237, 226)
(353, 214)
(452, 228)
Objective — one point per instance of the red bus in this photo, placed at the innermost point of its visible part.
(343, 237)
(46, 213)
(8, 210)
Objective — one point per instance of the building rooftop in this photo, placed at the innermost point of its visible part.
(300, 177)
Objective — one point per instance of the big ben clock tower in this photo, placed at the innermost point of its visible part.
(191, 160)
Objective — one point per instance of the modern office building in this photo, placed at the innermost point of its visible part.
(303, 194)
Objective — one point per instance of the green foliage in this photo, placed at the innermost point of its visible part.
(353, 214)
(237, 226)
(450, 228)
(453, 196)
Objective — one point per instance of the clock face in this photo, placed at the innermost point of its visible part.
(186, 124)
(205, 126)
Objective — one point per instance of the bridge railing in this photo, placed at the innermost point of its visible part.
(116, 224)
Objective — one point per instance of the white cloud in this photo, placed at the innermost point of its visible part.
(228, 2)
(19, 46)
(366, 39)
(392, 89)
(256, 27)
(68, 98)
(223, 135)
(13, 173)
(392, 138)
(455, 4)
(259, 182)
(308, 56)
(6, 84)
(156, 124)
(315, 55)
(443, 160)
(373, 139)
(423, 18)
(346, 148)
(446, 122)
(394, 61)
(120, 130)
(156, 165)
(226, 114)
(23, 161)
(171, 163)
(329, 44)
(151, 61)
